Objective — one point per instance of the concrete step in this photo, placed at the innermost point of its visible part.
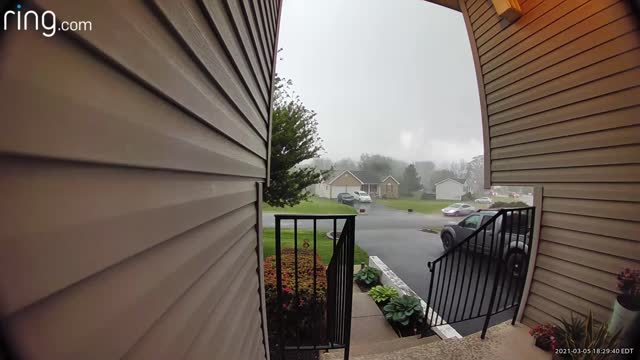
(380, 347)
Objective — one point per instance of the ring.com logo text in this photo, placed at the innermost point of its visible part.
(45, 22)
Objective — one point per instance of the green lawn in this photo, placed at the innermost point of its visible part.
(421, 206)
(324, 245)
(314, 205)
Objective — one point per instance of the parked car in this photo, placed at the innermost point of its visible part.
(484, 200)
(361, 196)
(458, 209)
(515, 248)
(346, 198)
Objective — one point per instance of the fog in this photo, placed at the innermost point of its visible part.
(393, 77)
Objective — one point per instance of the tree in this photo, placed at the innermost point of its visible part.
(440, 175)
(322, 164)
(410, 181)
(475, 174)
(425, 170)
(294, 139)
(376, 164)
(345, 164)
(459, 168)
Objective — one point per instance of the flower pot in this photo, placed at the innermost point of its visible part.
(623, 317)
(543, 343)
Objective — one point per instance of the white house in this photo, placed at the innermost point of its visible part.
(450, 189)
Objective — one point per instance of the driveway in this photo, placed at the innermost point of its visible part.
(395, 237)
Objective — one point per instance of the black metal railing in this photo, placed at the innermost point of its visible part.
(309, 308)
(483, 274)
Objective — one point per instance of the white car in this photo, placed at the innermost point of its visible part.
(458, 209)
(484, 200)
(361, 196)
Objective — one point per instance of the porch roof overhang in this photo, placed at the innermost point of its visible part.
(451, 4)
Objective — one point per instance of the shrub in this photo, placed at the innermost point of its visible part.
(302, 311)
(368, 276)
(502, 204)
(404, 310)
(468, 197)
(383, 294)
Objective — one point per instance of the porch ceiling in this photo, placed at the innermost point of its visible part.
(451, 4)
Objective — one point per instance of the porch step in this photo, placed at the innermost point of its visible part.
(380, 347)
(503, 342)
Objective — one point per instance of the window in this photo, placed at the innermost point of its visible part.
(471, 222)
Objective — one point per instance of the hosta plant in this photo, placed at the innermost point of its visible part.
(404, 310)
(383, 294)
(368, 277)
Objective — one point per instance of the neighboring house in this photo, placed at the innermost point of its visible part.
(370, 182)
(344, 181)
(451, 189)
(350, 181)
(389, 188)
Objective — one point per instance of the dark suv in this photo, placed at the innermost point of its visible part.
(346, 198)
(515, 245)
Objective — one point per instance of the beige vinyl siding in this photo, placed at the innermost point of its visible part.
(560, 90)
(130, 160)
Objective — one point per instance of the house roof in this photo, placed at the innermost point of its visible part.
(340, 173)
(458, 180)
(394, 179)
(366, 177)
(451, 4)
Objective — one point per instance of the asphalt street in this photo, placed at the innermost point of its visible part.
(395, 237)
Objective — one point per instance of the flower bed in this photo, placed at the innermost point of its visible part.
(304, 311)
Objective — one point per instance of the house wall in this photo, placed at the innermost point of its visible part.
(389, 192)
(449, 190)
(130, 160)
(322, 190)
(560, 96)
(344, 183)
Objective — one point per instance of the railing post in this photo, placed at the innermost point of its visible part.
(497, 277)
(351, 244)
(427, 319)
(279, 287)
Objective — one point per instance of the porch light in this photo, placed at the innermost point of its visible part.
(508, 9)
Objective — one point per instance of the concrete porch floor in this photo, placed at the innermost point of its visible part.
(503, 342)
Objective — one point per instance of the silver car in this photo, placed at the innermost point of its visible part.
(458, 209)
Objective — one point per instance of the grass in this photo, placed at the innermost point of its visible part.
(324, 245)
(421, 206)
(314, 205)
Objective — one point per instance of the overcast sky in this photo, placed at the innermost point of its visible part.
(393, 77)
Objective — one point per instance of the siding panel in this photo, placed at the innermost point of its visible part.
(177, 77)
(130, 160)
(561, 87)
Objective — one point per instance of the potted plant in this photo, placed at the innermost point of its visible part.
(579, 334)
(405, 312)
(383, 294)
(626, 309)
(545, 336)
(367, 277)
